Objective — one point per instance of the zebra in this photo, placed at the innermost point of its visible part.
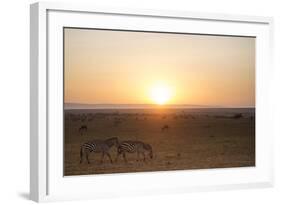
(98, 146)
(134, 147)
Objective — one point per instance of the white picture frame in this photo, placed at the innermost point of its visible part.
(47, 182)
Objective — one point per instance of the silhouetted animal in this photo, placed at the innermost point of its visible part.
(117, 121)
(165, 127)
(83, 129)
(237, 116)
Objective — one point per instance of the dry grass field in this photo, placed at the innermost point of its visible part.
(194, 139)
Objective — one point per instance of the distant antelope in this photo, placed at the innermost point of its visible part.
(98, 146)
(83, 129)
(117, 121)
(134, 147)
(165, 127)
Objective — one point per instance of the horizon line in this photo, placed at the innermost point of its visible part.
(141, 106)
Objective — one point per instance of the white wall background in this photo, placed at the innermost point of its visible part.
(14, 101)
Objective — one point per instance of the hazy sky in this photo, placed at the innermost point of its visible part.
(123, 67)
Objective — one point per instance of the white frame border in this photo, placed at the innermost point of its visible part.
(38, 83)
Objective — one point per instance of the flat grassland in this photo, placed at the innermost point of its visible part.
(190, 138)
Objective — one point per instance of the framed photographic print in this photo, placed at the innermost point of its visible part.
(174, 101)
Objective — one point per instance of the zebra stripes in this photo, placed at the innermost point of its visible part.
(94, 146)
(98, 146)
(128, 146)
(134, 147)
(104, 146)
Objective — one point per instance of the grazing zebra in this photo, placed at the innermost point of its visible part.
(98, 146)
(134, 147)
(165, 127)
(83, 128)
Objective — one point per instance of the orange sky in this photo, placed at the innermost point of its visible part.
(121, 67)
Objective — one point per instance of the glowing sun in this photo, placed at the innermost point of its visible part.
(160, 94)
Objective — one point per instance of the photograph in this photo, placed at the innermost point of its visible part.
(146, 101)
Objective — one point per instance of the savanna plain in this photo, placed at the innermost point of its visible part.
(181, 139)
